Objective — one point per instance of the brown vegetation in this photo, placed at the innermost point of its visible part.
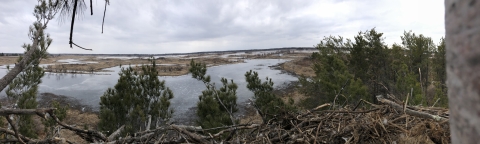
(167, 66)
(388, 122)
(299, 66)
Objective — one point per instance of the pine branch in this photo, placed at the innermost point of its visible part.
(8, 78)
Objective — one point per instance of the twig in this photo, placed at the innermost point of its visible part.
(405, 104)
(91, 8)
(314, 109)
(435, 102)
(333, 106)
(80, 46)
(14, 128)
(259, 111)
(93, 134)
(73, 22)
(336, 111)
(104, 11)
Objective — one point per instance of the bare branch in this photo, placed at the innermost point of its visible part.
(104, 11)
(197, 138)
(40, 112)
(409, 111)
(92, 134)
(14, 129)
(91, 8)
(116, 133)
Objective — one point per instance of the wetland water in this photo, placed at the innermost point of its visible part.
(89, 87)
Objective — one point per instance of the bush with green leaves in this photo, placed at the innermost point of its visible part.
(264, 99)
(136, 97)
(215, 106)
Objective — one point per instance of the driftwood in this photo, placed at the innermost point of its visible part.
(383, 123)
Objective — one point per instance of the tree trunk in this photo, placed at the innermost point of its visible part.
(462, 25)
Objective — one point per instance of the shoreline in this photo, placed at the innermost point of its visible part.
(247, 114)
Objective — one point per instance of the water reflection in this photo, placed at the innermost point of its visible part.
(89, 87)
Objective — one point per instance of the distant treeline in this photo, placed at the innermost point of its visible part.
(204, 52)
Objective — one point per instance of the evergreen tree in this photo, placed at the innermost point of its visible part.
(24, 88)
(359, 57)
(267, 102)
(440, 74)
(440, 62)
(215, 106)
(136, 97)
(369, 61)
(397, 65)
(419, 53)
(332, 76)
(408, 85)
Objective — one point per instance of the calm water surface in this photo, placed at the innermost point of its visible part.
(89, 87)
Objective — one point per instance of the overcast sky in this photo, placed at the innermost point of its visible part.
(177, 26)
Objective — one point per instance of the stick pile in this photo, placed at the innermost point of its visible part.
(384, 123)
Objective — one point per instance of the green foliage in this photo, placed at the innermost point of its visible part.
(333, 78)
(439, 66)
(440, 95)
(406, 82)
(24, 88)
(369, 61)
(420, 48)
(214, 105)
(134, 98)
(402, 70)
(60, 113)
(267, 102)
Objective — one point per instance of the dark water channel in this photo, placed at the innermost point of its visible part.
(89, 87)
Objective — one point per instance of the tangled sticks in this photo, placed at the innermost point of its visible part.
(384, 123)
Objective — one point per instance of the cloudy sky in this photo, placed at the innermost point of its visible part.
(177, 26)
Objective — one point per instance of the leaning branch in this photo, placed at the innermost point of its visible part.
(8, 78)
(90, 133)
(409, 111)
(193, 136)
(14, 129)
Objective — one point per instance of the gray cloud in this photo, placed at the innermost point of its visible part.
(169, 26)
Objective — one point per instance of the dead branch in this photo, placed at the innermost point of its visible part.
(193, 136)
(409, 111)
(92, 134)
(14, 128)
(381, 123)
(116, 133)
(40, 112)
(258, 110)
(346, 111)
(26, 139)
